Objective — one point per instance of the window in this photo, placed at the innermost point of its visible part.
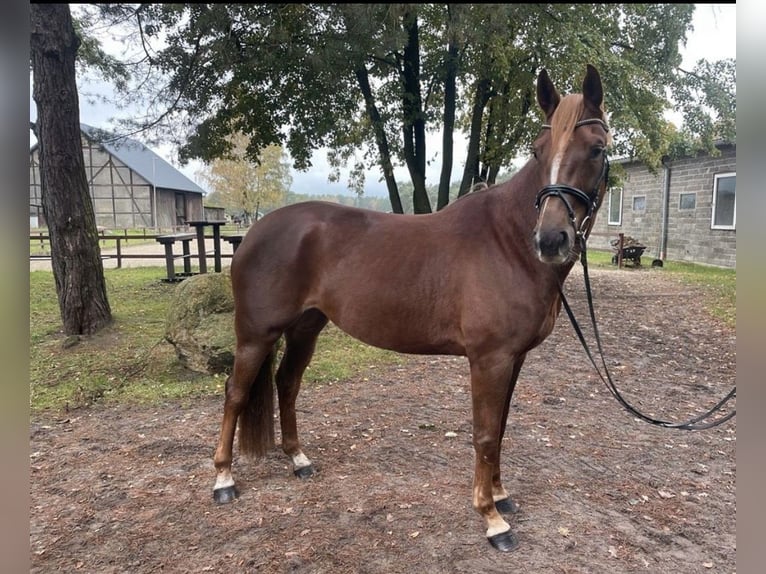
(615, 206)
(639, 203)
(687, 201)
(724, 201)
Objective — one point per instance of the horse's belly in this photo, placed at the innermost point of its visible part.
(400, 327)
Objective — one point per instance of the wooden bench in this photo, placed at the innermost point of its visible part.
(234, 239)
(168, 241)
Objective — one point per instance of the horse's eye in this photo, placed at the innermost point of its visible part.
(534, 152)
(596, 152)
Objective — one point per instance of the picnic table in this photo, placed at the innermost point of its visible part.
(186, 238)
(200, 226)
(168, 241)
(234, 238)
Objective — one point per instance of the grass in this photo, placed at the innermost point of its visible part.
(130, 362)
(720, 286)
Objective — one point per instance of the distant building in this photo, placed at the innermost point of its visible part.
(686, 211)
(130, 186)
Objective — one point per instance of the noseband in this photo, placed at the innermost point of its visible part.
(561, 190)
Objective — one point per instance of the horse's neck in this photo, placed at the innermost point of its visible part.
(516, 202)
(517, 199)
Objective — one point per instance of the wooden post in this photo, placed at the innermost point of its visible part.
(217, 246)
(619, 250)
(187, 256)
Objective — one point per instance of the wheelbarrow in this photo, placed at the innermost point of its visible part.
(631, 253)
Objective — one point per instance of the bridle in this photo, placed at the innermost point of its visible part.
(561, 190)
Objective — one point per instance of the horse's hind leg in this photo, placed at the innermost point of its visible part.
(249, 359)
(503, 501)
(300, 342)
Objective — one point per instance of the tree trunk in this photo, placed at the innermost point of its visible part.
(471, 170)
(75, 253)
(363, 78)
(414, 130)
(450, 103)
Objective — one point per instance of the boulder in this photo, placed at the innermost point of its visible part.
(200, 323)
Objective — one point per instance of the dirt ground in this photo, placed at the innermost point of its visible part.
(130, 489)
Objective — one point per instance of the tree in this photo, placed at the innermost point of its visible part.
(380, 77)
(242, 184)
(75, 254)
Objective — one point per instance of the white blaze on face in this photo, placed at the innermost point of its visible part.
(554, 175)
(555, 165)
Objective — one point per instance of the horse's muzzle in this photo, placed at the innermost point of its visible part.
(553, 246)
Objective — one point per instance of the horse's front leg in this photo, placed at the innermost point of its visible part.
(490, 390)
(503, 502)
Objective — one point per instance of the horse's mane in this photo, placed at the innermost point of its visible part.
(565, 118)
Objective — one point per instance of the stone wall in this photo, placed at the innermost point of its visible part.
(690, 236)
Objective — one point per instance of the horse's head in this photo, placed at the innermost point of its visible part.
(571, 156)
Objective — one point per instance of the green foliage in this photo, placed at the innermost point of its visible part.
(708, 96)
(247, 185)
(369, 81)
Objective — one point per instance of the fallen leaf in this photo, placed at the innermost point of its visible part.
(415, 534)
(564, 531)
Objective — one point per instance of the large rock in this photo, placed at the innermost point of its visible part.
(200, 323)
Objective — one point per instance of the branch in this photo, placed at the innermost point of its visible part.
(143, 39)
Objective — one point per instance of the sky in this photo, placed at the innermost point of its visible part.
(713, 38)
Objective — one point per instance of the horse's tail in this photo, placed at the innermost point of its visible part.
(256, 423)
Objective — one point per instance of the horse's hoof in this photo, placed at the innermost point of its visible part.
(504, 542)
(225, 494)
(304, 471)
(506, 506)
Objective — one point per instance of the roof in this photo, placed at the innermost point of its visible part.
(143, 161)
(719, 143)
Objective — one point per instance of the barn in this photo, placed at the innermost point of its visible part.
(131, 186)
(684, 211)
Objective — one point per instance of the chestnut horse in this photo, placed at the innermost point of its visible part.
(479, 278)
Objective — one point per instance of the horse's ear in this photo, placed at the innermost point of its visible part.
(592, 91)
(547, 96)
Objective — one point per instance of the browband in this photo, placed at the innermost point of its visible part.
(584, 123)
